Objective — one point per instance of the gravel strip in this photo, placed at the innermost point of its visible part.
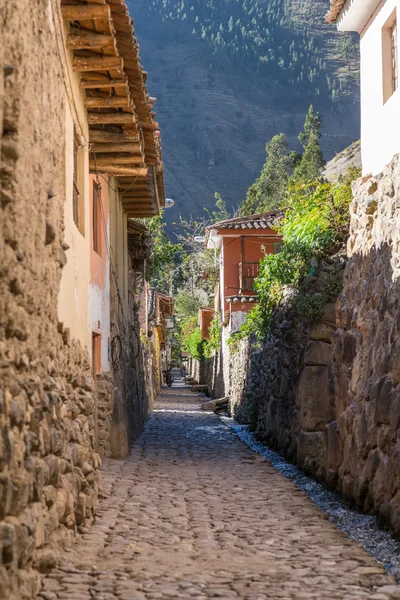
(362, 528)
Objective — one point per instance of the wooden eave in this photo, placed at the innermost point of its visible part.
(123, 136)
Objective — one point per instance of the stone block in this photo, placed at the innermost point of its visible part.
(383, 400)
(329, 314)
(321, 332)
(210, 405)
(317, 353)
(311, 452)
(333, 447)
(313, 398)
(349, 348)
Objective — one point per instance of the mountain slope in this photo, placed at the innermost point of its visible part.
(220, 99)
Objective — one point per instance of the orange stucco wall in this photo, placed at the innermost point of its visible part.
(255, 246)
(99, 261)
(99, 285)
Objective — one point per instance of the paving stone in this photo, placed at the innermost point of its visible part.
(193, 514)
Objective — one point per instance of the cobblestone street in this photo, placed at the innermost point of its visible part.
(193, 513)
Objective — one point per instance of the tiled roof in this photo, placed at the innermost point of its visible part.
(124, 138)
(240, 298)
(267, 220)
(335, 10)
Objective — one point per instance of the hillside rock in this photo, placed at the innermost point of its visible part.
(349, 158)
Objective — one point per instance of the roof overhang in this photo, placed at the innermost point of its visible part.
(354, 14)
(213, 240)
(124, 140)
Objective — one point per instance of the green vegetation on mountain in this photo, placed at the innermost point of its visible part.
(268, 39)
(223, 89)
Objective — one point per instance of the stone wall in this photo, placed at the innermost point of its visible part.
(366, 363)
(200, 370)
(48, 466)
(281, 386)
(327, 394)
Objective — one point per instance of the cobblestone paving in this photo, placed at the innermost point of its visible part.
(194, 514)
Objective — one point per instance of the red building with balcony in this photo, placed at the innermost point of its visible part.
(242, 242)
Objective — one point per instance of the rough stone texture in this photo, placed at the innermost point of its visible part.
(200, 370)
(193, 513)
(105, 403)
(367, 350)
(281, 387)
(126, 394)
(48, 467)
(327, 394)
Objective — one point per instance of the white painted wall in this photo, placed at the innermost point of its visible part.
(380, 122)
(74, 288)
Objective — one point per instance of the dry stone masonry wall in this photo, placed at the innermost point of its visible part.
(367, 351)
(48, 465)
(327, 394)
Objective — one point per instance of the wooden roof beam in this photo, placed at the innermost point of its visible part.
(130, 159)
(102, 83)
(119, 147)
(134, 195)
(118, 118)
(107, 102)
(97, 63)
(81, 39)
(85, 12)
(117, 170)
(104, 136)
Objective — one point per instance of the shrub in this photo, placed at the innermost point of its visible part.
(315, 225)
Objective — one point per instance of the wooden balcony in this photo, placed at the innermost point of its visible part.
(248, 271)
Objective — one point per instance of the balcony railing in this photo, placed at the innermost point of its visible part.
(248, 271)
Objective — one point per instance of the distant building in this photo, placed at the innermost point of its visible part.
(206, 315)
(160, 320)
(242, 242)
(377, 23)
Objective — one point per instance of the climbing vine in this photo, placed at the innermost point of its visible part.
(315, 225)
(215, 333)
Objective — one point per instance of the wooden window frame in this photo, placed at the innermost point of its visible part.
(78, 186)
(96, 353)
(97, 218)
(390, 57)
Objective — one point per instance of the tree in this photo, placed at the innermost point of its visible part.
(312, 127)
(270, 190)
(312, 160)
(222, 213)
(165, 255)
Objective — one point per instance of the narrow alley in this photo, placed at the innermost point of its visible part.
(193, 513)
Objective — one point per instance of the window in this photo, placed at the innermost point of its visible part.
(78, 187)
(390, 57)
(97, 218)
(395, 63)
(96, 353)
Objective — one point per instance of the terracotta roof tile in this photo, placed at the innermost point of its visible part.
(267, 220)
(335, 10)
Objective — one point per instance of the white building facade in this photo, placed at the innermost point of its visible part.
(377, 23)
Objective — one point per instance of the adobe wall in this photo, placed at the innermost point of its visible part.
(48, 466)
